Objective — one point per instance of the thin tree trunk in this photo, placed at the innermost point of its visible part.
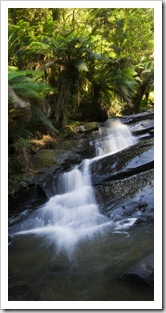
(138, 98)
(60, 106)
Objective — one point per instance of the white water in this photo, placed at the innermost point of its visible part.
(113, 138)
(73, 215)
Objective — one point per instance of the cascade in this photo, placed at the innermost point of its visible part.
(73, 216)
(113, 138)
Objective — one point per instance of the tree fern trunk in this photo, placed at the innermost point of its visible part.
(60, 106)
(138, 97)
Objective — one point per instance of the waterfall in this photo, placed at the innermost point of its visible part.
(73, 216)
(113, 138)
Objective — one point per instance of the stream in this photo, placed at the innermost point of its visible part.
(67, 250)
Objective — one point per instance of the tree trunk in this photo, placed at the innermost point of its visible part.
(60, 106)
(138, 98)
(96, 102)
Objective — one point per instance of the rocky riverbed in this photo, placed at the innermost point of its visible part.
(120, 180)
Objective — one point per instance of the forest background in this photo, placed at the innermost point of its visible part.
(72, 66)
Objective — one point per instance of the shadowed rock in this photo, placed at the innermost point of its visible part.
(141, 272)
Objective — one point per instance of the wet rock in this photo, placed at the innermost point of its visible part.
(141, 272)
(143, 131)
(142, 126)
(128, 119)
(129, 197)
(85, 147)
(130, 161)
(25, 199)
(43, 181)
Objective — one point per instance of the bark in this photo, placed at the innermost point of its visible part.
(138, 97)
(60, 106)
(17, 101)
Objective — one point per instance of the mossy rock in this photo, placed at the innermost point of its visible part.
(88, 127)
(48, 158)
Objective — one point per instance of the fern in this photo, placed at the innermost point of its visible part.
(38, 114)
(25, 84)
(14, 73)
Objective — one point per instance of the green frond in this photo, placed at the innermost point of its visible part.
(39, 48)
(20, 74)
(22, 91)
(26, 86)
(31, 89)
(39, 114)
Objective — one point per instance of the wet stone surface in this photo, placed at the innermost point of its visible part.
(140, 156)
(141, 272)
(129, 197)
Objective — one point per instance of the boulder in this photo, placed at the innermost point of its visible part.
(128, 119)
(130, 161)
(24, 201)
(129, 197)
(85, 147)
(141, 272)
(88, 127)
(49, 158)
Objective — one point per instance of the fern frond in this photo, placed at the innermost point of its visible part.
(28, 73)
(43, 118)
(26, 86)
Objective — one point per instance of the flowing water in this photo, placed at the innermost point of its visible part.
(68, 250)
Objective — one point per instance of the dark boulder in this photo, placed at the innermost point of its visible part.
(141, 272)
(130, 161)
(25, 199)
(143, 129)
(128, 119)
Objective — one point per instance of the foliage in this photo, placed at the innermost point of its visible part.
(26, 84)
(66, 61)
(145, 78)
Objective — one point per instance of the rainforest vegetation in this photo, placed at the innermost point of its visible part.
(70, 66)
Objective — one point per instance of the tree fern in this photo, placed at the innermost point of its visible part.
(26, 84)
